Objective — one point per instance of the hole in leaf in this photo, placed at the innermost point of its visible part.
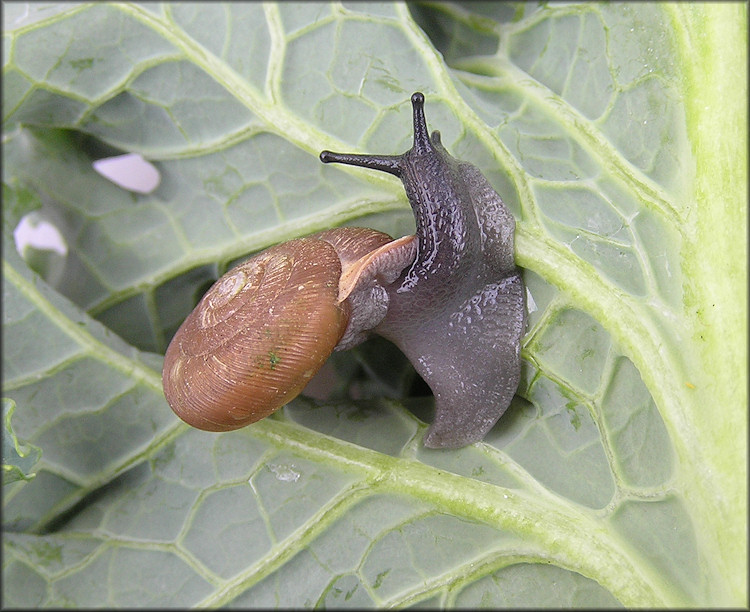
(42, 246)
(129, 171)
(38, 233)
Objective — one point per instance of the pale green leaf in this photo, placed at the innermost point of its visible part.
(19, 458)
(617, 135)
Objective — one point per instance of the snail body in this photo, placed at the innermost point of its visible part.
(449, 297)
(458, 312)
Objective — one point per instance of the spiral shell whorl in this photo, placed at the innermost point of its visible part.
(257, 337)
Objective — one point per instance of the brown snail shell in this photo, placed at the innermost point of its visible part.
(265, 328)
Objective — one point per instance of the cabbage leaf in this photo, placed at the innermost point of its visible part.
(617, 135)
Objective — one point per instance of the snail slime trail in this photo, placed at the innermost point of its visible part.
(450, 297)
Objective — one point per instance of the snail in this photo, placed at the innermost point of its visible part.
(450, 297)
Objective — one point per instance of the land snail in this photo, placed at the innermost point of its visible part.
(450, 297)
